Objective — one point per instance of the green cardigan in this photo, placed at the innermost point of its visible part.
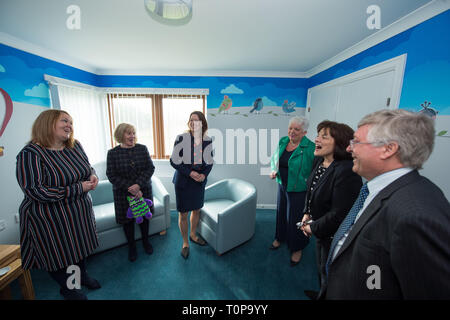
(300, 163)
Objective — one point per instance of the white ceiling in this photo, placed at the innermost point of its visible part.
(265, 36)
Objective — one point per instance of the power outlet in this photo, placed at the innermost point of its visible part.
(16, 217)
(2, 225)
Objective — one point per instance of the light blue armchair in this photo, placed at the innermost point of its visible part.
(227, 218)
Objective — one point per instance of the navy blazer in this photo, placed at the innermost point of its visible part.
(403, 237)
(183, 156)
(332, 197)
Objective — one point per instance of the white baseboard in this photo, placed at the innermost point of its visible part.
(258, 206)
(266, 206)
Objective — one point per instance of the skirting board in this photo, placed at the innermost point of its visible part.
(258, 206)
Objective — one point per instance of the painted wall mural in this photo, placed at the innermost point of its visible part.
(432, 113)
(22, 75)
(427, 70)
(6, 110)
(426, 77)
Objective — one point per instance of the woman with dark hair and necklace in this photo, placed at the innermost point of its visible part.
(332, 189)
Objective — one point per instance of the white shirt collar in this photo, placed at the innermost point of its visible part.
(379, 183)
(383, 180)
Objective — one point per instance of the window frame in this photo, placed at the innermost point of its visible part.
(157, 116)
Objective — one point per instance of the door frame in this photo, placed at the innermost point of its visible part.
(396, 64)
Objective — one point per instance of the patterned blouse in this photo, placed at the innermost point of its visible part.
(317, 175)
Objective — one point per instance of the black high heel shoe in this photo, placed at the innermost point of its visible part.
(272, 247)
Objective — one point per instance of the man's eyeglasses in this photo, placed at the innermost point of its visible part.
(354, 141)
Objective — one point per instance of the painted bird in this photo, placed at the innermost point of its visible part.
(288, 107)
(225, 105)
(257, 105)
(430, 112)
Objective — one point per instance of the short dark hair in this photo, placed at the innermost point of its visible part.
(342, 134)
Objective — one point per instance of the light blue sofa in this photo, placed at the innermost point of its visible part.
(227, 218)
(110, 234)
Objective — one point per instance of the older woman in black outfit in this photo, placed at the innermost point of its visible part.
(192, 160)
(129, 168)
(332, 188)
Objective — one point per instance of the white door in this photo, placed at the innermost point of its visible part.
(349, 98)
(359, 98)
(323, 99)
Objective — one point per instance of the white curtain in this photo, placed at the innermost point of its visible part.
(89, 111)
(176, 113)
(137, 111)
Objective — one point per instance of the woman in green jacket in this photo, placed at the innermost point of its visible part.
(291, 166)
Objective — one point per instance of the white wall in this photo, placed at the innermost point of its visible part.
(255, 153)
(436, 168)
(14, 138)
(261, 149)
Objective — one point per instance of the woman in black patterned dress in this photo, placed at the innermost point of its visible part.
(129, 168)
(57, 224)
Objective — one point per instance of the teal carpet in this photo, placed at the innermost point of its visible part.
(250, 271)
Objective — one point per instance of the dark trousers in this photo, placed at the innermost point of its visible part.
(61, 275)
(322, 249)
(129, 231)
(290, 211)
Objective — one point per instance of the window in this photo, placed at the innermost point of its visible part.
(158, 118)
(176, 111)
(158, 114)
(136, 110)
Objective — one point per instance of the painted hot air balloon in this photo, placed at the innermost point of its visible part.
(6, 109)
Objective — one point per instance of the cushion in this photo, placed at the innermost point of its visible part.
(211, 210)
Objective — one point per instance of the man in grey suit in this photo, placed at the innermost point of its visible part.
(397, 244)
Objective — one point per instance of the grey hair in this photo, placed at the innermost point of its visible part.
(303, 122)
(413, 132)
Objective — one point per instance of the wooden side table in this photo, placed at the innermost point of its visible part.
(10, 256)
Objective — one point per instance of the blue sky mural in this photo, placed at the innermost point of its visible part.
(21, 75)
(426, 74)
(242, 90)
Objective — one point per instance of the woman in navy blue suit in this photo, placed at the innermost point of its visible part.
(192, 160)
(332, 188)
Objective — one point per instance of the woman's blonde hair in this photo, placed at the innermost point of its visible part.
(120, 132)
(42, 132)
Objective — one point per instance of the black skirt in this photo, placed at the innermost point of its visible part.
(191, 197)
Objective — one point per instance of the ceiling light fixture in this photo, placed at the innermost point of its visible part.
(170, 12)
